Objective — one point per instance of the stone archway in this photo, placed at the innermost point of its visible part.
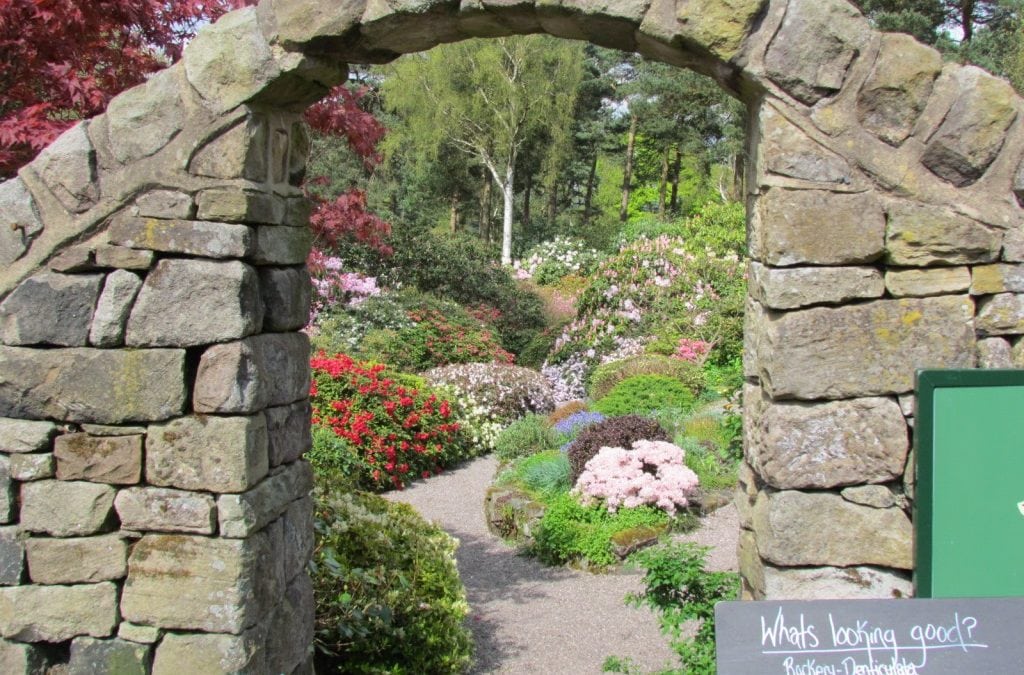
(153, 382)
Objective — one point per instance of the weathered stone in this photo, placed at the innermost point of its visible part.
(910, 476)
(7, 496)
(875, 496)
(218, 454)
(164, 204)
(210, 302)
(747, 489)
(19, 221)
(927, 281)
(211, 653)
(27, 467)
(246, 376)
(907, 402)
(12, 556)
(25, 659)
(821, 445)
(821, 228)
(788, 151)
(242, 514)
(992, 353)
(112, 430)
(68, 167)
(297, 211)
(66, 508)
(1017, 353)
(998, 278)
(814, 47)
(73, 259)
(115, 303)
(1001, 314)
(240, 152)
(191, 237)
(240, 206)
(801, 528)
(50, 308)
(974, 129)
(789, 288)
(919, 235)
(291, 628)
(144, 119)
(229, 62)
(198, 583)
(720, 26)
(166, 510)
(288, 432)
(898, 87)
(105, 459)
(823, 352)
(90, 656)
(282, 245)
(298, 154)
(286, 293)
(1013, 245)
(121, 257)
(80, 560)
(298, 24)
(839, 583)
(751, 567)
(25, 435)
(58, 613)
(134, 632)
(297, 533)
(92, 385)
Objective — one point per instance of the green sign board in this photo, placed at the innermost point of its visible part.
(969, 505)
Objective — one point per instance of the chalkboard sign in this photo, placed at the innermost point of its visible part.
(969, 508)
(871, 637)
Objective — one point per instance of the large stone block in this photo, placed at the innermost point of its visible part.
(217, 454)
(1013, 242)
(144, 119)
(998, 278)
(212, 653)
(107, 386)
(66, 508)
(199, 583)
(814, 47)
(50, 308)
(68, 167)
(838, 583)
(287, 293)
(246, 376)
(37, 466)
(793, 287)
(25, 435)
(58, 613)
(106, 459)
(817, 528)
(90, 656)
(190, 237)
(297, 536)
(20, 222)
(821, 228)
(25, 659)
(789, 151)
(863, 350)
(79, 560)
(297, 24)
(121, 257)
(242, 514)
(288, 430)
(282, 245)
(119, 292)
(822, 445)
(166, 510)
(927, 281)
(168, 204)
(992, 353)
(240, 152)
(290, 634)
(973, 131)
(1001, 314)
(919, 235)
(12, 556)
(898, 87)
(720, 26)
(210, 302)
(240, 206)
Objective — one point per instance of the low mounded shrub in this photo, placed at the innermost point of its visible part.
(526, 436)
(651, 473)
(388, 594)
(545, 473)
(509, 392)
(615, 432)
(607, 375)
(569, 428)
(641, 394)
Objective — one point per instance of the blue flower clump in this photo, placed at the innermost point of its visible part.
(574, 423)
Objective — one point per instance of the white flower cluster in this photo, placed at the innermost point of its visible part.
(567, 379)
(508, 392)
(560, 256)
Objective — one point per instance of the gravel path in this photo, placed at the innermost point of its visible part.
(527, 618)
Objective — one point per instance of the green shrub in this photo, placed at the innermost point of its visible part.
(720, 228)
(607, 375)
(616, 432)
(526, 436)
(537, 349)
(507, 392)
(388, 595)
(641, 394)
(336, 461)
(544, 474)
(570, 532)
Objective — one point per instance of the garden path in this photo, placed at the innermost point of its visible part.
(528, 618)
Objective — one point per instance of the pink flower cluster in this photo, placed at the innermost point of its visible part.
(652, 472)
(694, 351)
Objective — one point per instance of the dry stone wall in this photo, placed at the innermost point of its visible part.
(153, 383)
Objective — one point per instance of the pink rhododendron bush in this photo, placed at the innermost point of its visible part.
(651, 473)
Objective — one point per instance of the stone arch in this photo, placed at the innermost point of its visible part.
(153, 382)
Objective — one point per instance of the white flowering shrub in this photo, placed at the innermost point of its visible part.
(652, 473)
(478, 422)
(507, 392)
(549, 261)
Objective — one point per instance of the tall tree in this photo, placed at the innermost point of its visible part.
(486, 98)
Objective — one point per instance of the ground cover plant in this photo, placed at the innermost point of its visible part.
(526, 436)
(642, 394)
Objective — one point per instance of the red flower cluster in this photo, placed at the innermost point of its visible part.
(399, 431)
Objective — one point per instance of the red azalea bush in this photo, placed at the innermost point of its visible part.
(400, 431)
